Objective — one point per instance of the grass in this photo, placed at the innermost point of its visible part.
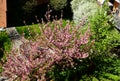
(30, 31)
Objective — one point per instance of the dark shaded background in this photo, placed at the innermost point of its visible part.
(16, 15)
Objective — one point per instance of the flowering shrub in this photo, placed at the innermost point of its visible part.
(56, 45)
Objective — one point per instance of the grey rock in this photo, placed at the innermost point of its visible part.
(3, 79)
(117, 18)
(12, 32)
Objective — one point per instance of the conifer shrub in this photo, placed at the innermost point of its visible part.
(102, 61)
(105, 34)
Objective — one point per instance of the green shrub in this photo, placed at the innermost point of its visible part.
(83, 8)
(104, 33)
(95, 69)
(102, 64)
(29, 6)
(58, 4)
(105, 68)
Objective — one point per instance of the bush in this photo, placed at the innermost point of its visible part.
(58, 4)
(57, 45)
(83, 8)
(102, 63)
(29, 6)
(105, 34)
(102, 69)
(99, 69)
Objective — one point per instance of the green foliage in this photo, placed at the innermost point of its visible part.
(29, 6)
(5, 46)
(83, 8)
(68, 73)
(101, 65)
(106, 69)
(96, 69)
(104, 77)
(58, 4)
(1, 68)
(5, 43)
(30, 31)
(111, 76)
(104, 33)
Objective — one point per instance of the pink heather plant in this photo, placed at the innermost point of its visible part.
(57, 45)
(32, 58)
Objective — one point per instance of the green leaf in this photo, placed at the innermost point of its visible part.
(112, 76)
